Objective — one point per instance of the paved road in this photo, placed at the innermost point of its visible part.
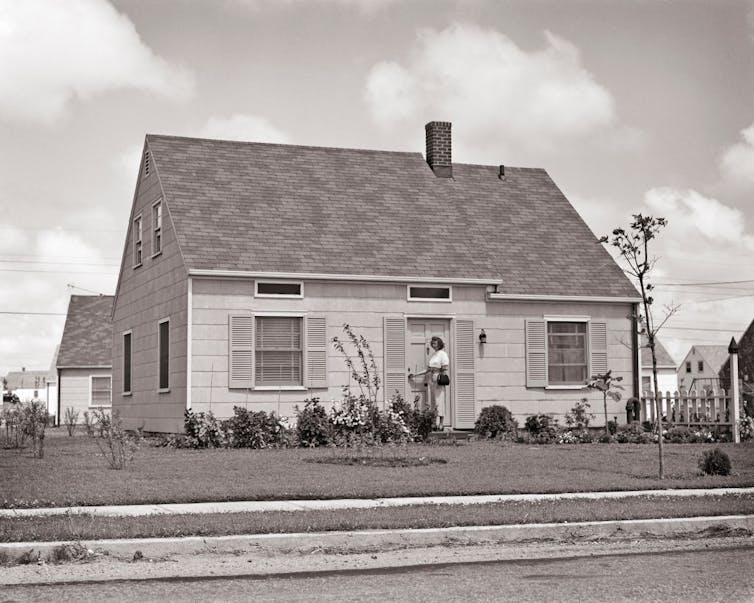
(723, 574)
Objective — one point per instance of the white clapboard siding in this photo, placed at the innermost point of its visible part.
(536, 353)
(241, 350)
(316, 352)
(465, 406)
(395, 355)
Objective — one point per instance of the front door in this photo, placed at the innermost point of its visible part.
(420, 333)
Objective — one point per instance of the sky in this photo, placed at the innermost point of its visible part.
(631, 106)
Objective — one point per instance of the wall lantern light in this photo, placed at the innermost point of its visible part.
(482, 337)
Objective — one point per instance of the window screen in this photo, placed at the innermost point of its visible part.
(566, 353)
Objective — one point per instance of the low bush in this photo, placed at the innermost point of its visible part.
(249, 429)
(203, 430)
(312, 424)
(578, 417)
(746, 428)
(89, 423)
(715, 462)
(71, 418)
(542, 428)
(496, 421)
(574, 436)
(633, 434)
(421, 422)
(116, 444)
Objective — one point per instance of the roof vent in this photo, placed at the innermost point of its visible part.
(438, 148)
(147, 165)
(501, 173)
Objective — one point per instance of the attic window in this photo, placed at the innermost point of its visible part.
(137, 241)
(279, 289)
(157, 228)
(147, 163)
(422, 293)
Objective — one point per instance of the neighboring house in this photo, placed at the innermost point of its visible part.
(700, 368)
(667, 377)
(84, 361)
(52, 388)
(243, 260)
(29, 385)
(745, 366)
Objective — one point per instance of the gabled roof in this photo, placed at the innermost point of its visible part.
(269, 208)
(664, 359)
(28, 379)
(87, 335)
(714, 355)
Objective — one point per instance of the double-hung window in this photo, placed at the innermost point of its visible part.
(163, 354)
(567, 362)
(137, 241)
(278, 351)
(101, 390)
(127, 363)
(157, 228)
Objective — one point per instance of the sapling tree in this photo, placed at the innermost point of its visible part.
(633, 246)
(608, 385)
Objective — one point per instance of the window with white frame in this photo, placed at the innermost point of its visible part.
(278, 351)
(567, 360)
(137, 241)
(163, 345)
(101, 390)
(279, 289)
(157, 228)
(127, 363)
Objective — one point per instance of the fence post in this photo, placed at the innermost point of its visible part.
(735, 394)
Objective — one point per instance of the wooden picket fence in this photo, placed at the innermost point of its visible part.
(703, 408)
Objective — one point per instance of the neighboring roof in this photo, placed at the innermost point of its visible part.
(291, 209)
(664, 359)
(87, 335)
(714, 355)
(28, 379)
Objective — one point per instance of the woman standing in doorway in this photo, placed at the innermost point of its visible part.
(438, 365)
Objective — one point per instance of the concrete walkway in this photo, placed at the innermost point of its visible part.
(352, 503)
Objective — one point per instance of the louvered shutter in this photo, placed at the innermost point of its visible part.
(598, 347)
(395, 356)
(240, 350)
(465, 406)
(316, 352)
(536, 353)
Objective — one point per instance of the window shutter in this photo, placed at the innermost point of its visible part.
(465, 406)
(316, 352)
(395, 356)
(240, 350)
(598, 347)
(536, 353)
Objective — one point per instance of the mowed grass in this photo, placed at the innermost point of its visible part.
(73, 472)
(88, 527)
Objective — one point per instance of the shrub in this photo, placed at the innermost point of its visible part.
(715, 462)
(312, 425)
(421, 423)
(392, 425)
(542, 428)
(579, 416)
(746, 428)
(496, 421)
(34, 420)
(633, 434)
(249, 429)
(116, 444)
(15, 435)
(71, 418)
(574, 436)
(612, 426)
(89, 421)
(679, 435)
(203, 430)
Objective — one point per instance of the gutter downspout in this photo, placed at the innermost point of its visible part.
(57, 417)
(637, 351)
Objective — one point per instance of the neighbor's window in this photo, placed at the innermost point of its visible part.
(164, 354)
(429, 293)
(279, 289)
(688, 367)
(137, 241)
(278, 351)
(567, 362)
(157, 228)
(127, 363)
(700, 366)
(646, 384)
(101, 391)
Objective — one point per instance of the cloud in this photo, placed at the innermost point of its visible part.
(483, 79)
(243, 127)
(737, 163)
(52, 52)
(364, 6)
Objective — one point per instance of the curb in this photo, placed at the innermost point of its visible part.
(362, 541)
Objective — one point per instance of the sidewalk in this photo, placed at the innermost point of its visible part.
(351, 503)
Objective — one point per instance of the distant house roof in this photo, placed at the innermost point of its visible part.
(272, 208)
(664, 359)
(87, 335)
(28, 379)
(714, 355)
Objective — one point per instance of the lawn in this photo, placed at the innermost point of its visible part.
(73, 472)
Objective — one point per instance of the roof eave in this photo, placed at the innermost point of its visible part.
(563, 298)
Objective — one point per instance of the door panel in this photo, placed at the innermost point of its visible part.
(420, 333)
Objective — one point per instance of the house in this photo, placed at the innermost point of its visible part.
(29, 385)
(84, 364)
(745, 366)
(667, 376)
(700, 367)
(243, 260)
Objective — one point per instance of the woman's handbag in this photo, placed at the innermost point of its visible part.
(443, 379)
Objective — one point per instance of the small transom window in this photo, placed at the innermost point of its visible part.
(429, 293)
(279, 289)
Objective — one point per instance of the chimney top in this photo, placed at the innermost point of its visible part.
(439, 148)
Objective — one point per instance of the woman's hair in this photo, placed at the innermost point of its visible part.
(440, 342)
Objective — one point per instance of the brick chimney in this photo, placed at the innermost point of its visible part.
(438, 148)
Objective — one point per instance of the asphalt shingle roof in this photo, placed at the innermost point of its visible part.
(664, 359)
(28, 379)
(714, 355)
(283, 208)
(87, 335)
